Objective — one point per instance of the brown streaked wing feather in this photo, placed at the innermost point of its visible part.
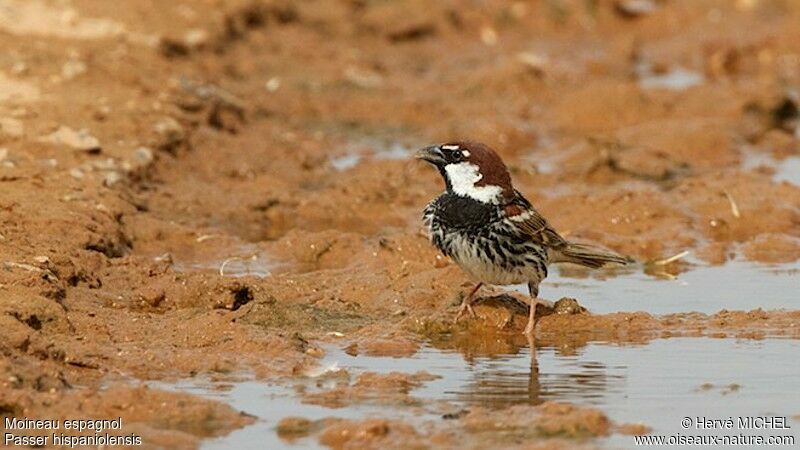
(535, 226)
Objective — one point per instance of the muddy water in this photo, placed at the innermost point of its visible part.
(376, 150)
(636, 122)
(656, 384)
(787, 169)
(237, 260)
(678, 79)
(265, 401)
(737, 285)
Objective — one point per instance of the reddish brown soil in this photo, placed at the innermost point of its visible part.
(216, 125)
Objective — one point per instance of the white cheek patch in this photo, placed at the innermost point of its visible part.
(463, 177)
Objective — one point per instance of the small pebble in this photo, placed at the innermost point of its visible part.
(73, 68)
(632, 9)
(315, 352)
(196, 38)
(143, 155)
(79, 140)
(165, 258)
(535, 62)
(273, 84)
(112, 178)
(293, 426)
(76, 173)
(170, 132)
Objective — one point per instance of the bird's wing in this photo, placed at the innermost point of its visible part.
(531, 224)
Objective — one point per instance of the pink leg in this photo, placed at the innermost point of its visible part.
(466, 304)
(534, 292)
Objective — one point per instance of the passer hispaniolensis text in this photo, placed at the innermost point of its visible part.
(490, 230)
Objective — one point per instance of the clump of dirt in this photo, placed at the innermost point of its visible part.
(391, 388)
(374, 433)
(187, 421)
(548, 419)
(771, 248)
(204, 189)
(400, 347)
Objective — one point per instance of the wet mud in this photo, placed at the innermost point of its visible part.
(210, 221)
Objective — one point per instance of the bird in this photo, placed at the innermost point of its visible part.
(490, 230)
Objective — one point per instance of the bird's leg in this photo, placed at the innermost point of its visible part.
(466, 304)
(533, 290)
(534, 386)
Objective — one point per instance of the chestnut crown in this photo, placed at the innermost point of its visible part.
(471, 169)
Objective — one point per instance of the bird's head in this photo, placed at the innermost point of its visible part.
(471, 169)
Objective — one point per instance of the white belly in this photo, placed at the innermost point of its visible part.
(482, 269)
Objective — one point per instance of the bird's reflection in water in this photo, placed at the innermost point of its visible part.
(505, 370)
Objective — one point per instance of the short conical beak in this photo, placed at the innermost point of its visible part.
(432, 154)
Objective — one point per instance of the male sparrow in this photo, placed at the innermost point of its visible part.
(490, 230)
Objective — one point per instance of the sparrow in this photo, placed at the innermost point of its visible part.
(491, 230)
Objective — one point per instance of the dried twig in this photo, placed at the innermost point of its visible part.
(23, 266)
(673, 258)
(46, 272)
(206, 237)
(225, 263)
(734, 206)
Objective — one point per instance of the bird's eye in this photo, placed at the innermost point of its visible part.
(454, 153)
(460, 155)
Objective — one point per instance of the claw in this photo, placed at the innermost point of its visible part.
(465, 307)
(466, 304)
(529, 328)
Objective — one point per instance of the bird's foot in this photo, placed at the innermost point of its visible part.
(531, 326)
(466, 307)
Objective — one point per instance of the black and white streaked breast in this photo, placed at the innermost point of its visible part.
(483, 241)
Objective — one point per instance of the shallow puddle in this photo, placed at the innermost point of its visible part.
(677, 79)
(737, 285)
(381, 151)
(393, 150)
(787, 169)
(230, 261)
(269, 403)
(657, 384)
(346, 162)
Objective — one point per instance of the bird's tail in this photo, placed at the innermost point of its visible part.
(589, 256)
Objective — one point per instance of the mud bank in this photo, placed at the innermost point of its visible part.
(203, 189)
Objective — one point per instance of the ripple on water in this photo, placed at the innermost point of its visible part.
(657, 384)
(737, 285)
